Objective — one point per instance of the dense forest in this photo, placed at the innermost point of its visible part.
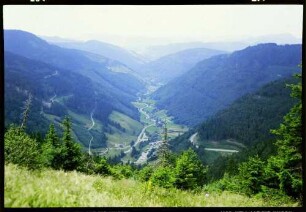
(247, 121)
(215, 83)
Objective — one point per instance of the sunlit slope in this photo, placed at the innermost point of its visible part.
(51, 188)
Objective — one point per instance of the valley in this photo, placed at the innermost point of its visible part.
(149, 138)
(122, 114)
(159, 105)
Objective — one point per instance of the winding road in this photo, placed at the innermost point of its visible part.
(221, 150)
(143, 131)
(51, 75)
(139, 139)
(144, 113)
(52, 98)
(193, 138)
(92, 125)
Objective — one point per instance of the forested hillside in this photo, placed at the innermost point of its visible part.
(55, 93)
(250, 118)
(85, 63)
(213, 84)
(244, 124)
(62, 82)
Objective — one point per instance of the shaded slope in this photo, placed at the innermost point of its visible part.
(215, 83)
(117, 89)
(56, 93)
(246, 121)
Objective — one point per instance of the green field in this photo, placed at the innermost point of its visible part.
(153, 129)
(63, 99)
(50, 188)
(132, 130)
(53, 118)
(139, 104)
(149, 101)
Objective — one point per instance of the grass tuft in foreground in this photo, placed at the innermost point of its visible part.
(50, 188)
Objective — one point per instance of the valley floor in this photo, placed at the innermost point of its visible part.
(49, 188)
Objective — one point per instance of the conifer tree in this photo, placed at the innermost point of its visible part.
(53, 149)
(189, 171)
(163, 151)
(52, 137)
(251, 175)
(286, 166)
(71, 150)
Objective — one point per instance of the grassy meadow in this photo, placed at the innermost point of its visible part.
(50, 188)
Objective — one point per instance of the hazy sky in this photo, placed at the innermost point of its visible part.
(155, 24)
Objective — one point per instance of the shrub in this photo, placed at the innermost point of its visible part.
(274, 196)
(124, 170)
(102, 167)
(189, 171)
(87, 164)
(163, 177)
(145, 173)
(20, 149)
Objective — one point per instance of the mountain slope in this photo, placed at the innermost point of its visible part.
(118, 88)
(215, 83)
(174, 65)
(56, 93)
(106, 50)
(63, 82)
(250, 118)
(245, 123)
